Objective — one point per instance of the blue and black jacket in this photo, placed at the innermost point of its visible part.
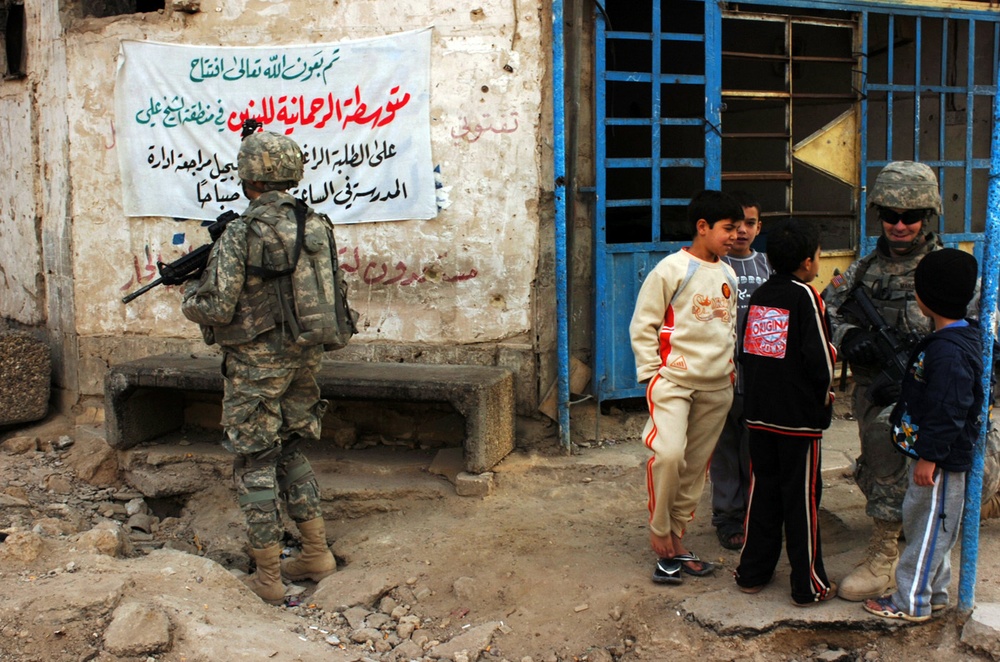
(937, 417)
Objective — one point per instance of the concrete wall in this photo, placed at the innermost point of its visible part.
(489, 64)
(21, 294)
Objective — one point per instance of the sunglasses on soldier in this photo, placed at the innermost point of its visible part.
(908, 217)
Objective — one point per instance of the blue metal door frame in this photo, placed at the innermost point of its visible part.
(619, 268)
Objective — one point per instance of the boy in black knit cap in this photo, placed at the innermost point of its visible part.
(936, 423)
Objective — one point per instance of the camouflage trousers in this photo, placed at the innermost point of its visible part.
(271, 404)
(881, 471)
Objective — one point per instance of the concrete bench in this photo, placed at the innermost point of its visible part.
(145, 398)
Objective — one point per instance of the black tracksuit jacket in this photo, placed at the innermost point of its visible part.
(788, 359)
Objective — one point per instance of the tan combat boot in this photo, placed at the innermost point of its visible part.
(876, 574)
(266, 582)
(990, 508)
(315, 562)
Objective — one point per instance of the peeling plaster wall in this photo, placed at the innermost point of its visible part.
(35, 269)
(21, 295)
(489, 63)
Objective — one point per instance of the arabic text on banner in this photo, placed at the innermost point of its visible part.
(360, 110)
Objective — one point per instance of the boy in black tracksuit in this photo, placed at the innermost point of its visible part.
(788, 363)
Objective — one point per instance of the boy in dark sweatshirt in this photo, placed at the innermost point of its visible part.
(936, 422)
(788, 364)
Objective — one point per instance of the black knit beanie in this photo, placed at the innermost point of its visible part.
(946, 281)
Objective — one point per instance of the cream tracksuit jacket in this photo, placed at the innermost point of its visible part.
(684, 324)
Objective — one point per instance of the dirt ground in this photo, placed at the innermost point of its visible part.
(553, 565)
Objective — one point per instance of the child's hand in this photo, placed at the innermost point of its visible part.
(923, 473)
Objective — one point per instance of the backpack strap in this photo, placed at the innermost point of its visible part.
(300, 229)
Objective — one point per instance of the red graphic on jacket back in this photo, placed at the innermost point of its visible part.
(766, 332)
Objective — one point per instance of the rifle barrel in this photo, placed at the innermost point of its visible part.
(142, 290)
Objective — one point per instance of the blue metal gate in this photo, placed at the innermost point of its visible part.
(938, 113)
(925, 82)
(648, 110)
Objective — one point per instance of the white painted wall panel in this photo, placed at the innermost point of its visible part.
(22, 296)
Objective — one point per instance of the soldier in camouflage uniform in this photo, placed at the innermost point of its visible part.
(271, 401)
(905, 196)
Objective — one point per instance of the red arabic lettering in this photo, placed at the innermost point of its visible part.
(297, 110)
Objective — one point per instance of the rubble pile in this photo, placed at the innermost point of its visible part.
(25, 375)
(94, 544)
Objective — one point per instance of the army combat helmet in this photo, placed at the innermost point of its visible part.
(907, 185)
(269, 157)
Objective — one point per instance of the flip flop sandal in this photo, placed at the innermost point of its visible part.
(690, 557)
(886, 608)
(726, 533)
(667, 571)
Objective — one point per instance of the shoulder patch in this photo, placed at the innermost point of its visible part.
(838, 281)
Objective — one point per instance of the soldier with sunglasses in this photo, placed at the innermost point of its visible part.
(906, 197)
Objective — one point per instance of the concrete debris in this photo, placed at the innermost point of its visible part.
(23, 546)
(472, 642)
(62, 443)
(137, 629)
(107, 538)
(982, 630)
(469, 484)
(19, 445)
(93, 461)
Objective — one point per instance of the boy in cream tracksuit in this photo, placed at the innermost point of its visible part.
(683, 336)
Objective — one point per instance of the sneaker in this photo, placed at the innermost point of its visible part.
(886, 608)
(829, 595)
(667, 571)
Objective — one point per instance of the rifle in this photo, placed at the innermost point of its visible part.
(187, 266)
(894, 348)
(191, 265)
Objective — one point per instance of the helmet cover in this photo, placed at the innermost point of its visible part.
(906, 185)
(269, 157)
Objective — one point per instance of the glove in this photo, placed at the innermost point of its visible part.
(883, 391)
(859, 348)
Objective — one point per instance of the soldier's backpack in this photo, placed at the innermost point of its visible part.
(313, 299)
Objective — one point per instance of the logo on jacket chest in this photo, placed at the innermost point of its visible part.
(766, 332)
(706, 308)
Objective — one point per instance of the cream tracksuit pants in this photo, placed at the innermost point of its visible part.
(684, 425)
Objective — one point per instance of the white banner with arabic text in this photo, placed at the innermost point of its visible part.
(359, 110)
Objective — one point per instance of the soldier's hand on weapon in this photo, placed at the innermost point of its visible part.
(884, 392)
(860, 347)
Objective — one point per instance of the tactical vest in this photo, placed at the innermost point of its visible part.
(292, 279)
(257, 303)
(892, 287)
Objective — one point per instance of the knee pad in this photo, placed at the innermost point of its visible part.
(299, 488)
(256, 487)
(294, 470)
